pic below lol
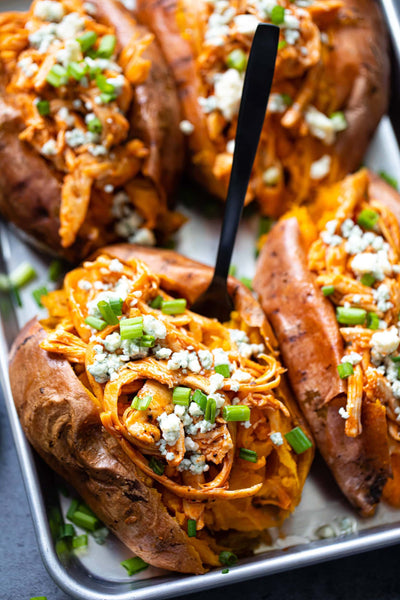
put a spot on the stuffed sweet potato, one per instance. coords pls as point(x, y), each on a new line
point(89, 139)
point(329, 92)
point(160, 418)
point(328, 279)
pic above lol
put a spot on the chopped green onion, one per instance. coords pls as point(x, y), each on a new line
point(237, 59)
point(157, 302)
point(247, 282)
point(339, 120)
point(211, 410)
point(277, 15)
point(100, 535)
point(55, 270)
point(181, 395)
point(240, 412)
point(85, 509)
point(233, 270)
point(156, 465)
point(96, 323)
point(107, 46)
point(248, 455)
point(37, 295)
point(107, 97)
point(15, 295)
point(81, 519)
point(223, 370)
point(395, 359)
point(87, 40)
point(131, 328)
point(22, 275)
point(264, 226)
point(345, 370)
point(298, 440)
point(225, 571)
point(63, 549)
point(350, 316)
point(80, 541)
point(368, 279)
point(77, 70)
point(200, 398)
point(191, 528)
point(57, 76)
point(148, 341)
point(107, 313)
point(141, 403)
point(116, 305)
point(72, 508)
point(389, 179)
point(94, 125)
point(173, 307)
point(134, 565)
point(228, 558)
point(282, 44)
point(39, 598)
point(368, 218)
point(328, 290)
point(68, 531)
point(372, 320)
point(43, 107)
point(55, 522)
point(104, 85)
point(287, 99)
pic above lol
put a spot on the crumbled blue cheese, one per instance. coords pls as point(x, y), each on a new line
point(241, 376)
point(133, 350)
point(220, 357)
point(208, 104)
point(196, 464)
point(42, 38)
point(201, 426)
point(105, 367)
point(143, 236)
point(376, 263)
point(195, 410)
point(162, 353)
point(70, 26)
point(116, 266)
point(193, 363)
point(246, 24)
point(321, 126)
point(353, 358)
point(97, 149)
point(85, 285)
point(190, 445)
point(49, 148)
point(320, 168)
point(206, 359)
point(382, 297)
point(271, 176)
point(343, 413)
point(179, 360)
point(291, 36)
point(153, 326)
point(219, 399)
point(186, 127)
point(118, 82)
point(276, 438)
point(27, 66)
point(230, 147)
point(77, 137)
point(329, 236)
point(170, 426)
point(216, 382)
point(65, 116)
point(90, 8)
point(182, 413)
point(70, 53)
point(47, 10)
point(228, 91)
point(112, 342)
point(385, 342)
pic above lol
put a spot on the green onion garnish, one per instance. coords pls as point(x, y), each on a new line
point(247, 282)
point(96, 323)
point(211, 410)
point(368, 218)
point(173, 307)
point(264, 226)
point(228, 558)
point(225, 571)
point(107, 97)
point(287, 99)
point(240, 412)
point(191, 528)
point(141, 403)
point(107, 46)
point(55, 522)
point(15, 295)
point(372, 320)
point(87, 40)
point(116, 305)
point(107, 313)
point(131, 328)
point(57, 76)
point(223, 370)
point(72, 508)
point(37, 295)
point(282, 44)
point(104, 85)
point(395, 359)
point(345, 370)
point(389, 179)
point(339, 120)
point(368, 279)
point(80, 541)
point(39, 598)
point(200, 398)
point(85, 509)
point(350, 316)
point(43, 107)
point(67, 531)
point(328, 290)
point(94, 125)
point(81, 519)
point(298, 440)
point(63, 549)
point(134, 565)
point(148, 341)
point(157, 302)
point(233, 270)
point(55, 270)
point(277, 15)
point(156, 465)
point(100, 535)
point(181, 395)
point(77, 70)
point(237, 59)
point(22, 275)
point(248, 455)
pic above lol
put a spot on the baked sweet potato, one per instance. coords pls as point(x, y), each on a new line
point(329, 92)
point(342, 255)
point(90, 145)
point(143, 422)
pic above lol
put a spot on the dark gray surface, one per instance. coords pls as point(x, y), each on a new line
point(371, 576)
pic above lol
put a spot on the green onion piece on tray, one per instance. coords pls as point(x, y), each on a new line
point(37, 295)
point(328, 290)
point(191, 528)
point(107, 313)
point(228, 558)
point(22, 275)
point(345, 370)
point(372, 320)
point(77, 70)
point(237, 59)
point(67, 531)
point(248, 455)
point(277, 15)
point(223, 370)
point(368, 279)
point(157, 302)
point(389, 179)
point(80, 541)
point(200, 398)
point(73, 507)
point(134, 565)
point(55, 270)
point(298, 440)
point(39, 598)
point(81, 519)
point(156, 465)
point(181, 395)
point(225, 571)
point(57, 76)
point(107, 46)
point(87, 40)
point(43, 107)
point(96, 323)
point(173, 307)
point(247, 282)
point(141, 403)
point(350, 316)
point(368, 218)
point(131, 329)
point(240, 412)
point(211, 410)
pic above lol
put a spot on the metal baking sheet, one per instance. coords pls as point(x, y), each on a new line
point(98, 575)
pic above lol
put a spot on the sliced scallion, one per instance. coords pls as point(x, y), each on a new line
point(57, 76)
point(67, 531)
point(240, 412)
point(81, 519)
point(191, 528)
point(372, 320)
point(181, 396)
point(277, 15)
point(282, 44)
point(55, 270)
point(237, 59)
point(87, 40)
point(107, 313)
point(298, 440)
point(156, 465)
point(200, 398)
point(43, 107)
point(80, 541)
point(131, 328)
point(395, 359)
point(77, 70)
point(368, 218)
point(134, 565)
point(173, 307)
point(94, 125)
point(389, 179)
point(350, 316)
point(368, 279)
point(148, 341)
point(96, 323)
point(72, 508)
point(345, 370)
point(328, 290)
point(225, 571)
point(248, 455)
point(233, 270)
point(22, 275)
point(228, 558)
point(211, 410)
point(116, 305)
point(104, 85)
point(141, 403)
point(157, 302)
point(37, 295)
point(107, 46)
point(107, 97)
point(247, 282)
point(223, 370)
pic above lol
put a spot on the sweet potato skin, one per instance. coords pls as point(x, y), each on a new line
point(311, 346)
